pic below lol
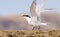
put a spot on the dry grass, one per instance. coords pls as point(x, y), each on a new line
point(20, 33)
point(29, 33)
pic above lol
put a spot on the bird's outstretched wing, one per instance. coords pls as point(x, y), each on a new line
point(42, 3)
point(39, 6)
point(32, 8)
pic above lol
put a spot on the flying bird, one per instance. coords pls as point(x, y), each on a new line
point(34, 17)
point(35, 10)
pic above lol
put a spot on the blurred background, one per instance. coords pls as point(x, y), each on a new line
point(8, 7)
point(15, 7)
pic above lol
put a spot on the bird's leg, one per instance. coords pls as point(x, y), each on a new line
point(36, 28)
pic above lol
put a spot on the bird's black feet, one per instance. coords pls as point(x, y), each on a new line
point(36, 28)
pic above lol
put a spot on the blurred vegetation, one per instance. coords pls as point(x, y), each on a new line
point(30, 33)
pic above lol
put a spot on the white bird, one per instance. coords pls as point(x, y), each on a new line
point(35, 10)
point(34, 18)
point(29, 20)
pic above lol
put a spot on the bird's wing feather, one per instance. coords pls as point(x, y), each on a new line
point(32, 8)
point(42, 3)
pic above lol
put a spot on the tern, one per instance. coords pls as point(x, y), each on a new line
point(35, 10)
point(34, 17)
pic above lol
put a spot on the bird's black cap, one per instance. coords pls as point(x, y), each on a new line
point(27, 16)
